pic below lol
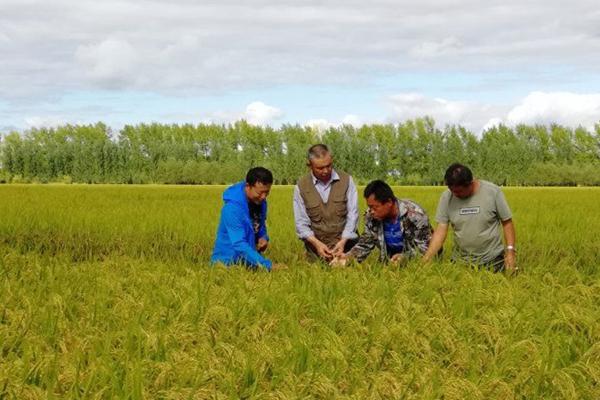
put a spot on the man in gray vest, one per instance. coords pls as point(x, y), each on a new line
point(325, 207)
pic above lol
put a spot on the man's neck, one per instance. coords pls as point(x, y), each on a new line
point(476, 185)
point(322, 181)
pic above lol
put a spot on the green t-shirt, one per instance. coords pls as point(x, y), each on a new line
point(476, 222)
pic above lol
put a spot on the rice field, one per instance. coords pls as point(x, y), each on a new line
point(105, 292)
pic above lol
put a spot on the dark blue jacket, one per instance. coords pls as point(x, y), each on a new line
point(235, 243)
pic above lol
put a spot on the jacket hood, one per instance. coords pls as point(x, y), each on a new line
point(236, 194)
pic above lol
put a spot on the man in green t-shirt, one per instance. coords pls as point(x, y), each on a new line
point(478, 212)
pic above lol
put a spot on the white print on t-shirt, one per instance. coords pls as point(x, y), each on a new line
point(469, 210)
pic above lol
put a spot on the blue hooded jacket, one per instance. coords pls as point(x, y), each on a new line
point(235, 241)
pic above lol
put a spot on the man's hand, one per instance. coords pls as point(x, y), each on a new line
point(338, 249)
point(510, 262)
point(322, 250)
point(262, 245)
point(339, 261)
point(397, 259)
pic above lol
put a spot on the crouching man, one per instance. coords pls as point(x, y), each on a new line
point(399, 228)
point(242, 233)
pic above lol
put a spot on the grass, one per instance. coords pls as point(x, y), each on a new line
point(106, 293)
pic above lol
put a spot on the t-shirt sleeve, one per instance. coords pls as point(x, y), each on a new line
point(502, 207)
point(441, 215)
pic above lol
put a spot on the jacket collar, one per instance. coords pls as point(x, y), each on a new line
point(402, 209)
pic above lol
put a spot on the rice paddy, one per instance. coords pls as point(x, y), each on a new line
point(106, 292)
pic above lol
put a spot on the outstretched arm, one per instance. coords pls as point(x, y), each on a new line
point(365, 245)
point(437, 241)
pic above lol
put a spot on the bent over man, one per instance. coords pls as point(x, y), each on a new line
point(399, 228)
point(325, 207)
point(478, 212)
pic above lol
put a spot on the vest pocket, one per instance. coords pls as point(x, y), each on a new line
point(340, 209)
point(314, 213)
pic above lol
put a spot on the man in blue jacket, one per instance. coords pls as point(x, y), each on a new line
point(242, 233)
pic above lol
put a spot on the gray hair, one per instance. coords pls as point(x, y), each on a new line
point(318, 151)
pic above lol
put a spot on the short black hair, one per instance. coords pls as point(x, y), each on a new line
point(380, 190)
point(259, 174)
point(458, 175)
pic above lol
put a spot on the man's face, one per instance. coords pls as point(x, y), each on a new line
point(322, 167)
point(462, 192)
point(258, 192)
point(380, 211)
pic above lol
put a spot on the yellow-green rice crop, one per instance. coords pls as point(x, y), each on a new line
point(106, 292)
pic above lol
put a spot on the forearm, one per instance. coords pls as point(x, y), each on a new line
point(510, 255)
point(437, 241)
point(362, 249)
point(262, 232)
point(509, 232)
point(313, 240)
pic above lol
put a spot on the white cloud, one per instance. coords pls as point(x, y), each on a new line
point(112, 62)
point(259, 113)
point(48, 121)
point(322, 124)
point(471, 115)
point(185, 48)
point(192, 46)
point(429, 50)
point(492, 123)
point(570, 109)
point(4, 39)
point(255, 113)
point(353, 120)
point(319, 124)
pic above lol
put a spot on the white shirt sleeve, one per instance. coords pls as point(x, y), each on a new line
point(301, 218)
point(352, 207)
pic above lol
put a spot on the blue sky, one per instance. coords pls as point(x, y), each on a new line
point(317, 63)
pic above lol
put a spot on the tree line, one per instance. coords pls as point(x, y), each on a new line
point(414, 152)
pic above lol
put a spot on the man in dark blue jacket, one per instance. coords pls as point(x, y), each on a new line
point(242, 233)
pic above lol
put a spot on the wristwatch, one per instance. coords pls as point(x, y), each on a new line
point(511, 248)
